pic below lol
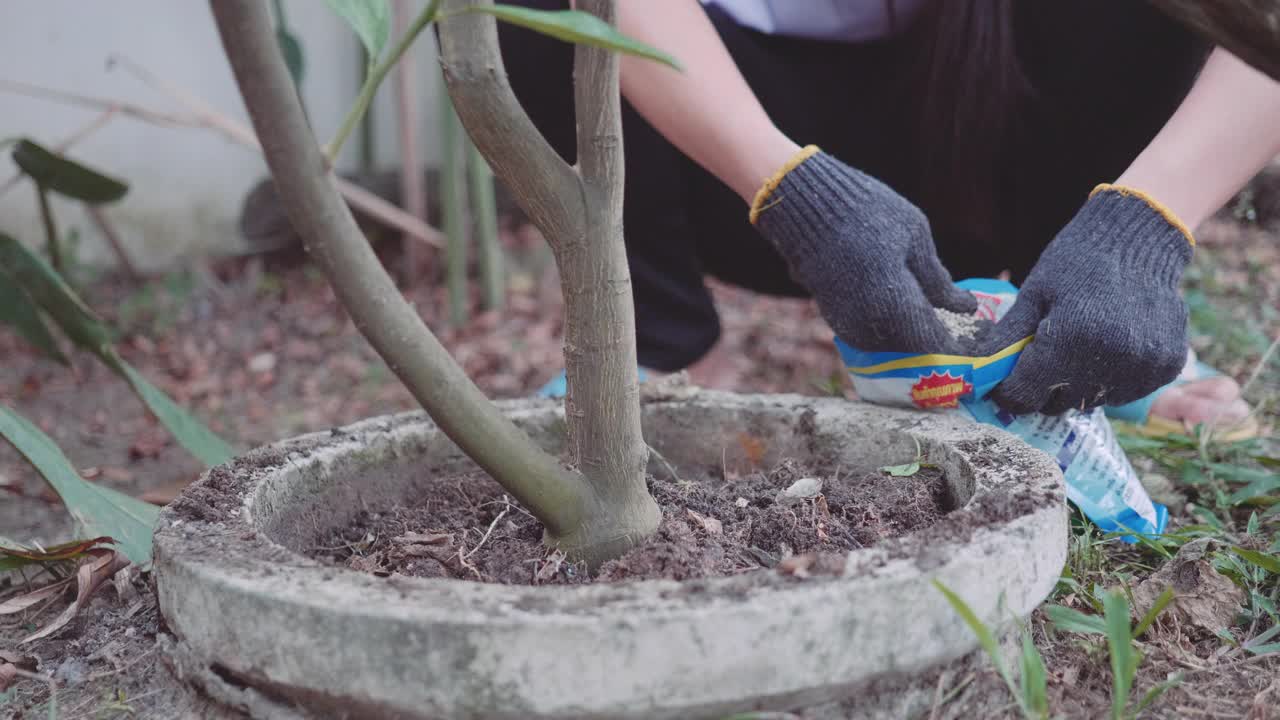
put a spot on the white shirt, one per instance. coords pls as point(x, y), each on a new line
point(842, 20)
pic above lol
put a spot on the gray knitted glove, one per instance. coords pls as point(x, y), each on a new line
point(1103, 304)
point(864, 252)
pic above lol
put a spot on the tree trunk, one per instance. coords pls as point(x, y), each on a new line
point(579, 211)
point(1248, 29)
point(559, 497)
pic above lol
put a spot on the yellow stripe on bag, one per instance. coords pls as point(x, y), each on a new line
point(927, 360)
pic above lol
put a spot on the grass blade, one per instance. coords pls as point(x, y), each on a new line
point(985, 639)
point(1154, 693)
point(1035, 694)
point(1157, 607)
point(1071, 620)
point(1270, 563)
point(1116, 610)
point(19, 310)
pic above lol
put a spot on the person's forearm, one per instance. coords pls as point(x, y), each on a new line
point(708, 112)
point(1226, 130)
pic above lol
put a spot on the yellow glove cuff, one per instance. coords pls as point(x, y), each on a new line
point(1155, 204)
point(762, 195)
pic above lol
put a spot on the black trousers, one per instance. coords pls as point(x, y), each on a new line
point(1106, 74)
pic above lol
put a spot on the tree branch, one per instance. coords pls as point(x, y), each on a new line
point(1248, 29)
point(307, 187)
point(543, 183)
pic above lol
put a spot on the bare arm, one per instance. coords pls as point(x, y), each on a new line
point(708, 112)
point(1226, 130)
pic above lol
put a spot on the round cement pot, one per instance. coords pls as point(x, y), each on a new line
point(283, 635)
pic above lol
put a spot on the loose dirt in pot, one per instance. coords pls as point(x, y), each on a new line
point(788, 519)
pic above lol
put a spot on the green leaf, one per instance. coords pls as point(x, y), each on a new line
point(14, 555)
point(97, 510)
point(1034, 681)
point(18, 309)
point(1154, 693)
point(985, 638)
point(198, 439)
point(578, 27)
point(1157, 607)
point(1254, 525)
point(1120, 642)
point(291, 49)
point(902, 470)
point(370, 19)
point(52, 295)
point(67, 177)
point(1270, 563)
point(86, 330)
point(1071, 620)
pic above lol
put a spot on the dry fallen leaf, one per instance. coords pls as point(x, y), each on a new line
point(711, 525)
point(10, 664)
point(1203, 597)
point(89, 576)
point(797, 565)
point(416, 538)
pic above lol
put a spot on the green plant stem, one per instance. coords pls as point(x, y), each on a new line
point(453, 200)
point(50, 229)
point(484, 208)
point(558, 496)
point(375, 77)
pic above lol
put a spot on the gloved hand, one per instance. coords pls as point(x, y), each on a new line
point(1102, 302)
point(863, 251)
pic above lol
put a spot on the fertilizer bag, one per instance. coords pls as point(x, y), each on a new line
point(1100, 479)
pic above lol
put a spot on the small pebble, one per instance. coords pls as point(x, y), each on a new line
point(800, 490)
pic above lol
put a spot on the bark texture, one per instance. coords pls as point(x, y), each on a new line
point(558, 496)
point(579, 211)
point(1248, 29)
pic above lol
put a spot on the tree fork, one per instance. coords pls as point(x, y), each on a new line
point(559, 497)
point(579, 211)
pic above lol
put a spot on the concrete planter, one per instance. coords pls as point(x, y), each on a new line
point(264, 626)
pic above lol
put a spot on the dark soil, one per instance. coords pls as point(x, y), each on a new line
point(468, 529)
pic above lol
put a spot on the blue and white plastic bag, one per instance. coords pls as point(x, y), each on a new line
point(1100, 479)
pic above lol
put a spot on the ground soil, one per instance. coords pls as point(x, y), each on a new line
point(259, 349)
point(469, 529)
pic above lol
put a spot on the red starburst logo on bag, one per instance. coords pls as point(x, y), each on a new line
point(939, 390)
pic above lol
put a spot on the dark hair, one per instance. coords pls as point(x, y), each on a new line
point(970, 84)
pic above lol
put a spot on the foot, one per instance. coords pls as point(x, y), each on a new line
point(1213, 401)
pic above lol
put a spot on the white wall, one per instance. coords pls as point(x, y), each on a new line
point(186, 184)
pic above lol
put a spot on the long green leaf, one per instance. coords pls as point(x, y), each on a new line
point(67, 177)
point(198, 439)
point(18, 309)
point(1120, 642)
point(1034, 679)
point(370, 19)
point(1157, 607)
point(1072, 620)
point(985, 638)
point(97, 510)
point(1270, 563)
point(1154, 693)
point(578, 27)
point(84, 328)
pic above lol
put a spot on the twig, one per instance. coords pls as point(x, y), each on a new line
point(489, 532)
point(674, 475)
point(108, 231)
point(207, 118)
